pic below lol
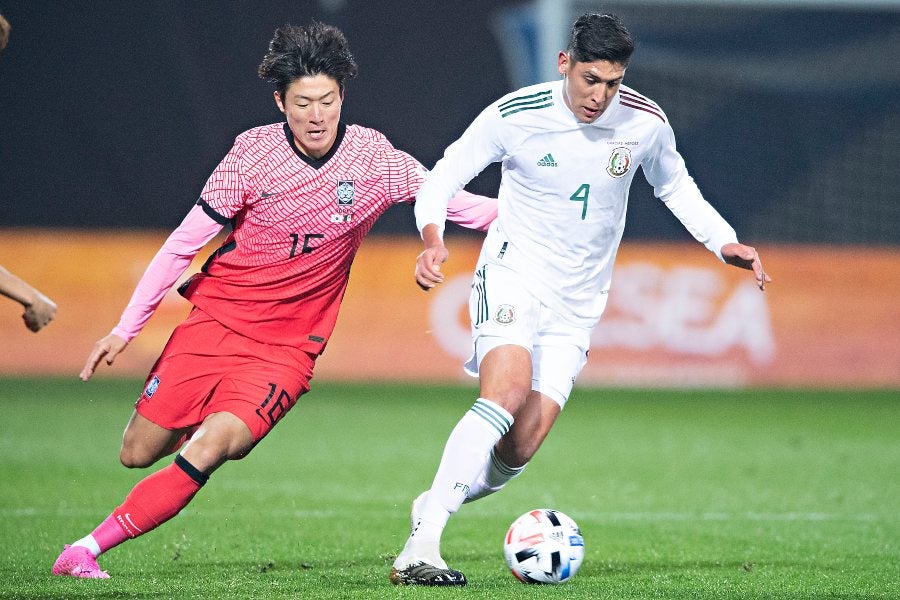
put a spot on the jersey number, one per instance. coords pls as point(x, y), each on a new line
point(581, 195)
point(306, 248)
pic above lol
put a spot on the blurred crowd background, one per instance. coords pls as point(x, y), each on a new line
point(114, 113)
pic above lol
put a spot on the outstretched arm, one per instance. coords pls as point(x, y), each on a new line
point(170, 262)
point(39, 309)
point(746, 257)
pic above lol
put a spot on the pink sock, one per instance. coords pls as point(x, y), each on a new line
point(109, 534)
point(153, 501)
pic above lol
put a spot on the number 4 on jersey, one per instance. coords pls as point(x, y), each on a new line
point(581, 195)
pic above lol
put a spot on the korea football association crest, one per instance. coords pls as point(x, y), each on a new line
point(619, 162)
point(346, 192)
point(152, 386)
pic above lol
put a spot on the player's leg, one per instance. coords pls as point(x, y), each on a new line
point(232, 417)
point(505, 373)
point(558, 356)
point(509, 457)
point(507, 370)
point(159, 496)
point(504, 317)
point(144, 442)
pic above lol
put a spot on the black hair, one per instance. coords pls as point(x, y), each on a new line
point(600, 37)
point(306, 51)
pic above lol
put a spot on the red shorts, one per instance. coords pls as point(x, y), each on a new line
point(206, 368)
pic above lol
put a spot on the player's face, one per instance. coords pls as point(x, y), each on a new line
point(312, 106)
point(589, 86)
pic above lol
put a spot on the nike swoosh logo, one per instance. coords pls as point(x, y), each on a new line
point(267, 194)
point(128, 518)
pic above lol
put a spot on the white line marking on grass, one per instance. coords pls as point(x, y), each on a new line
point(602, 517)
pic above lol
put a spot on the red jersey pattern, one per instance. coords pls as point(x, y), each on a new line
point(297, 223)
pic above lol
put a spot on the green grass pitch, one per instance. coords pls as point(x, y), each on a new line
point(687, 494)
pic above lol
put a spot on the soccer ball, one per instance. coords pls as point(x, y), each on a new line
point(543, 546)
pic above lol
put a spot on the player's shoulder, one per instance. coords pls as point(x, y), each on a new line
point(264, 132)
point(365, 136)
point(633, 104)
point(530, 101)
point(264, 136)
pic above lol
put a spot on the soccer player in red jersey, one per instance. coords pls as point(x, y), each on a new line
point(300, 196)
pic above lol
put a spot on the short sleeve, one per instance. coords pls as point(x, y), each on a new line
point(405, 175)
point(225, 190)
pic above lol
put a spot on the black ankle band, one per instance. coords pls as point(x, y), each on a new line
point(193, 472)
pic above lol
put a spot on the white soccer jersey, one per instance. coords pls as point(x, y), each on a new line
point(564, 190)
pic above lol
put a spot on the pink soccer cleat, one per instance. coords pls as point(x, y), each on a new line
point(77, 561)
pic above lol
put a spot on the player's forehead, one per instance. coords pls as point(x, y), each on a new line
point(312, 87)
point(602, 70)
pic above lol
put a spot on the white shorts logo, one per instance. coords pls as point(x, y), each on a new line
point(505, 314)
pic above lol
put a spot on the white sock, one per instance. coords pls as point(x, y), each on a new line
point(90, 543)
point(467, 449)
point(494, 475)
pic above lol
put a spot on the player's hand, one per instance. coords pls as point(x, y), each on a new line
point(428, 266)
point(746, 257)
point(109, 347)
point(39, 313)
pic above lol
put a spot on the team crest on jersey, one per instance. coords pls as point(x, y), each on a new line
point(619, 162)
point(345, 192)
point(505, 315)
point(152, 385)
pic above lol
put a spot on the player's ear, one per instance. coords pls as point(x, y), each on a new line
point(278, 101)
point(562, 62)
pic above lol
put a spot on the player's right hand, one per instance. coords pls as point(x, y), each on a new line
point(39, 313)
point(109, 347)
point(428, 266)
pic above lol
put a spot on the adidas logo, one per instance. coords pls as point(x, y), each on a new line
point(547, 161)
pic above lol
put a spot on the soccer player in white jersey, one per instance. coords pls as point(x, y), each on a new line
point(569, 150)
point(300, 195)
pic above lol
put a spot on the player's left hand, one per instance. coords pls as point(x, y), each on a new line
point(108, 348)
point(746, 257)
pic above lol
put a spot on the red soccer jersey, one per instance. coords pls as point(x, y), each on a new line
point(297, 223)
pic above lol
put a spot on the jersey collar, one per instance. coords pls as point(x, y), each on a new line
point(316, 163)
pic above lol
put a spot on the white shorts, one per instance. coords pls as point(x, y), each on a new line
point(503, 312)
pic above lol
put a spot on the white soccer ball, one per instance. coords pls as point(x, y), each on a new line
point(543, 546)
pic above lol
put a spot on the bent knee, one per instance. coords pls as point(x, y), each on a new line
point(135, 458)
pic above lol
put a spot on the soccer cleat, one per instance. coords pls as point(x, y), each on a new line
point(421, 573)
point(77, 561)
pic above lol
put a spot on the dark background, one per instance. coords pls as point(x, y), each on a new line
point(113, 113)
